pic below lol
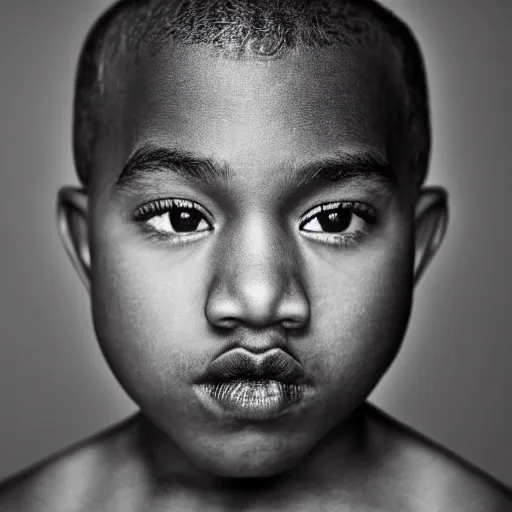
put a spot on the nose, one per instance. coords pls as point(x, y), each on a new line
point(256, 282)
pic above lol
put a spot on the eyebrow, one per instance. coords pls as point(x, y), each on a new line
point(364, 166)
point(151, 158)
point(361, 166)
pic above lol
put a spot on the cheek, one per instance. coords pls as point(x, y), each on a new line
point(360, 310)
point(148, 315)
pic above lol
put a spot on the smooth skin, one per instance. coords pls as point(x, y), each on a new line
point(253, 274)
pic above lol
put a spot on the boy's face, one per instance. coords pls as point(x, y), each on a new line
point(263, 273)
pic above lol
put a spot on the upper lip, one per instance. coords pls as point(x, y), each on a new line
point(240, 364)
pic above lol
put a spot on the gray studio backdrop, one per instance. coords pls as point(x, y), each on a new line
point(453, 378)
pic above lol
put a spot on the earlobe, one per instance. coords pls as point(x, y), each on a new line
point(431, 221)
point(72, 213)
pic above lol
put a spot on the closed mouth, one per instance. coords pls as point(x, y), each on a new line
point(240, 364)
point(253, 386)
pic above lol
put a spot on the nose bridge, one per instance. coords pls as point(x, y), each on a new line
point(260, 248)
point(256, 278)
point(258, 264)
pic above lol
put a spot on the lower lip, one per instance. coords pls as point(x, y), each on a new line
point(253, 400)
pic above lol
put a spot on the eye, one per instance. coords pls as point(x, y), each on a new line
point(339, 223)
point(175, 218)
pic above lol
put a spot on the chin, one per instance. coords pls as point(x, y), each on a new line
point(255, 462)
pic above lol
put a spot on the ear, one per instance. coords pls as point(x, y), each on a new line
point(72, 213)
point(430, 226)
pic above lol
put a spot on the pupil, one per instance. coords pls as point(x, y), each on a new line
point(335, 221)
point(184, 219)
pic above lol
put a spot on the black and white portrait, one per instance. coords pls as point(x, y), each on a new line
point(255, 255)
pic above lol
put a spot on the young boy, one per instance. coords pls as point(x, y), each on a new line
point(251, 225)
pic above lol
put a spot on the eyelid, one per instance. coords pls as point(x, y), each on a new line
point(161, 206)
point(356, 206)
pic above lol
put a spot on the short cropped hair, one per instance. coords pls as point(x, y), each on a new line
point(242, 29)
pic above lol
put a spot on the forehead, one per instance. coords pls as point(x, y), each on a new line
point(260, 113)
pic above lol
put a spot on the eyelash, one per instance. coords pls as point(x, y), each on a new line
point(163, 206)
point(354, 206)
point(361, 210)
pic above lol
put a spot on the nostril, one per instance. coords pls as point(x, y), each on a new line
point(292, 324)
point(227, 323)
point(295, 322)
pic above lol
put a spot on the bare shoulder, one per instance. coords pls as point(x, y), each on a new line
point(432, 477)
point(70, 481)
